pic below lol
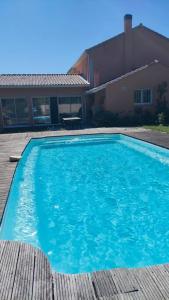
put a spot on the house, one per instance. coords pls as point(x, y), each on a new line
point(40, 99)
point(125, 71)
point(120, 75)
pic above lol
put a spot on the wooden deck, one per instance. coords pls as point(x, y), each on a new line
point(25, 272)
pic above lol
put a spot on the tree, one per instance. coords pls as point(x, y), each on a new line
point(161, 97)
point(162, 107)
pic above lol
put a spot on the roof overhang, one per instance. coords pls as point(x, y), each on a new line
point(42, 81)
point(103, 86)
point(43, 86)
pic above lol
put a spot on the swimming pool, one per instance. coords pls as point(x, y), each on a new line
point(91, 202)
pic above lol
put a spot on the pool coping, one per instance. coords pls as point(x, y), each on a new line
point(99, 279)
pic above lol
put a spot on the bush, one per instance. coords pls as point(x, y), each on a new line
point(161, 118)
point(128, 120)
point(105, 119)
point(144, 117)
point(109, 119)
point(161, 105)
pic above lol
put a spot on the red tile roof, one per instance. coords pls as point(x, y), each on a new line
point(42, 80)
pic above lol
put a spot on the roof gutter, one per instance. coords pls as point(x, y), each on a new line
point(45, 86)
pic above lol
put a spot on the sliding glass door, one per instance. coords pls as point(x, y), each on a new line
point(70, 106)
point(41, 110)
point(14, 111)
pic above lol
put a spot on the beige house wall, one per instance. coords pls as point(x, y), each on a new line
point(82, 67)
point(149, 45)
point(29, 93)
point(119, 96)
point(127, 51)
point(107, 60)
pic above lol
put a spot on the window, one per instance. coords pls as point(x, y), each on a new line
point(70, 106)
point(146, 96)
point(137, 96)
point(41, 110)
point(15, 111)
point(143, 96)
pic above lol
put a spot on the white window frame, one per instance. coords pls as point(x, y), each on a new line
point(142, 91)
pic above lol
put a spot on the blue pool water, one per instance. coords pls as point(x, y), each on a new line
point(91, 202)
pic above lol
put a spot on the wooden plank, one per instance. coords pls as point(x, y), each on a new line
point(23, 283)
point(126, 296)
point(42, 284)
point(73, 287)
point(8, 266)
point(122, 285)
point(161, 277)
point(104, 284)
point(84, 287)
point(2, 246)
point(64, 287)
point(147, 284)
point(124, 280)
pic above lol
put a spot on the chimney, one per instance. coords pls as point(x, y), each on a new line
point(127, 23)
point(128, 43)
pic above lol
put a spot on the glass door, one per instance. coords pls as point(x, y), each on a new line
point(14, 111)
point(70, 107)
point(54, 110)
point(41, 110)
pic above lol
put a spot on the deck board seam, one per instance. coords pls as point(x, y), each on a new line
point(2, 252)
point(158, 284)
point(95, 290)
point(33, 274)
point(145, 291)
point(53, 292)
point(16, 269)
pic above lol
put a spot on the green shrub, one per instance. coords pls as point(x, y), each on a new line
point(105, 119)
point(161, 118)
point(138, 118)
point(161, 103)
point(148, 118)
point(128, 120)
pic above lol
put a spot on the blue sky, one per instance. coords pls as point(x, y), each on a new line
point(47, 36)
